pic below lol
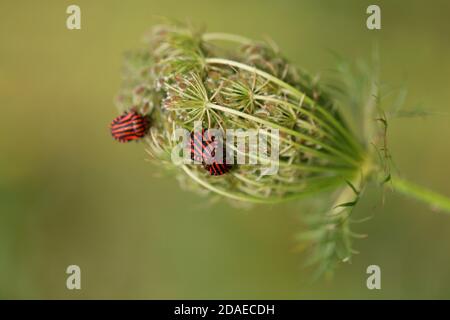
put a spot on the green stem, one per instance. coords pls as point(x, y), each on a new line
point(220, 191)
point(288, 131)
point(355, 146)
point(290, 89)
point(211, 36)
point(429, 197)
point(295, 92)
point(327, 185)
point(305, 167)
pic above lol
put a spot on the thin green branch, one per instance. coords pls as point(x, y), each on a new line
point(211, 36)
point(305, 167)
point(324, 185)
point(429, 197)
point(286, 130)
point(295, 92)
point(355, 146)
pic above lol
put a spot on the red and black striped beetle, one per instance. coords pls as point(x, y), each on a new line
point(203, 149)
point(129, 126)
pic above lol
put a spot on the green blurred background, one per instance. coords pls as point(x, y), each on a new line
point(69, 194)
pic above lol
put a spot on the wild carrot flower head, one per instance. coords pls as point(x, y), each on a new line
point(223, 82)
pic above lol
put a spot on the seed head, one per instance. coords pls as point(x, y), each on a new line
point(187, 77)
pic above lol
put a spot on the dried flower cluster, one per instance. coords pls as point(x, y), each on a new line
point(182, 77)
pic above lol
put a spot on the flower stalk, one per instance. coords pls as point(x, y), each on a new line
point(435, 200)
